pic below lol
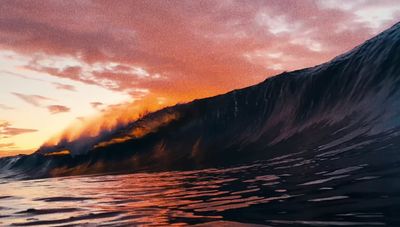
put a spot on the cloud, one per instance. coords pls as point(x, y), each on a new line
point(96, 105)
point(183, 50)
point(35, 100)
point(5, 107)
point(6, 130)
point(4, 124)
point(56, 109)
point(6, 145)
point(38, 100)
point(16, 131)
point(81, 119)
point(21, 76)
point(62, 86)
point(58, 85)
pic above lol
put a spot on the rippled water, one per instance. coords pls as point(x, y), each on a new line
point(341, 188)
point(356, 184)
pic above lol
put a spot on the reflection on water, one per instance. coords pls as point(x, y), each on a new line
point(303, 188)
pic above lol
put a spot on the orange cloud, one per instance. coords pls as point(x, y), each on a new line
point(13, 152)
point(6, 145)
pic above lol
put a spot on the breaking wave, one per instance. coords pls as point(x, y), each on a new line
point(351, 102)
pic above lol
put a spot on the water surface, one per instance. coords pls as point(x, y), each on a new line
point(310, 188)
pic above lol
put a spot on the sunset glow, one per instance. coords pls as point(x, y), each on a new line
point(72, 68)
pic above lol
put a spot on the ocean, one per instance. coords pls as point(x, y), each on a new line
point(335, 187)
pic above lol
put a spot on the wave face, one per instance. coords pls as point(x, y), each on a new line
point(346, 106)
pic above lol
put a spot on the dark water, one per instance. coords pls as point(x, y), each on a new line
point(355, 185)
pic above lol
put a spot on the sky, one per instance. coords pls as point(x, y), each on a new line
point(65, 61)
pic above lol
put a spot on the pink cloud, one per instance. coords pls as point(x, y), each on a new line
point(6, 130)
point(62, 86)
point(56, 109)
point(198, 48)
point(96, 105)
